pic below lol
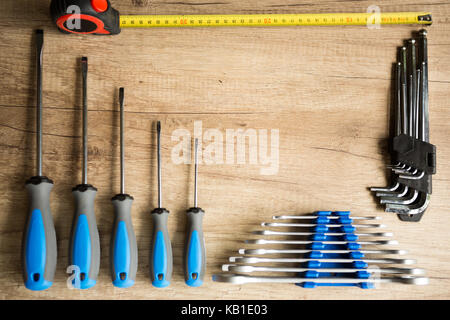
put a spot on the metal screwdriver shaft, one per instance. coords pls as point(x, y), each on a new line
point(195, 253)
point(122, 139)
point(39, 241)
point(195, 173)
point(124, 254)
point(39, 63)
point(84, 252)
point(161, 260)
point(158, 130)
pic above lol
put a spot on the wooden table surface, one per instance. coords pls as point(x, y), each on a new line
point(326, 89)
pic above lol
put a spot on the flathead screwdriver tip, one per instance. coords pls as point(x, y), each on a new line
point(121, 95)
point(158, 126)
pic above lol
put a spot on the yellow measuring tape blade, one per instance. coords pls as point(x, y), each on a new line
point(258, 20)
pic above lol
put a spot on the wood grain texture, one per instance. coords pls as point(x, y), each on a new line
point(327, 90)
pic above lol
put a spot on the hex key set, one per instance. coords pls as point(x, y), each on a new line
point(333, 251)
point(413, 157)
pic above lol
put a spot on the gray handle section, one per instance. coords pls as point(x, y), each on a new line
point(195, 252)
point(161, 260)
point(85, 237)
point(124, 254)
point(39, 237)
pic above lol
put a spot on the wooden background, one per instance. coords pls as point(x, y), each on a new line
point(327, 89)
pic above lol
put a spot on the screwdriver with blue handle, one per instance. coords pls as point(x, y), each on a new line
point(39, 241)
point(195, 253)
point(161, 260)
point(84, 255)
point(124, 255)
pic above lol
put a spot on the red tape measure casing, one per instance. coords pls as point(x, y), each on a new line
point(85, 16)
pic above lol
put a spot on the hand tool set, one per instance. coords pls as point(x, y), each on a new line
point(329, 249)
point(413, 157)
point(99, 17)
point(329, 254)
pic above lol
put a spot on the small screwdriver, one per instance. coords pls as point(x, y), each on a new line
point(124, 255)
point(84, 252)
point(195, 253)
point(39, 241)
point(161, 260)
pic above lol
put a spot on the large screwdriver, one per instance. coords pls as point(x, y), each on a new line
point(39, 241)
point(84, 253)
point(124, 256)
point(161, 260)
point(195, 253)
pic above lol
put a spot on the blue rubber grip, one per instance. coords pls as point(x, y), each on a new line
point(81, 253)
point(39, 253)
point(161, 260)
point(122, 256)
point(35, 253)
point(84, 254)
point(195, 259)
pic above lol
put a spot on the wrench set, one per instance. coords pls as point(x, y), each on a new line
point(330, 250)
point(413, 157)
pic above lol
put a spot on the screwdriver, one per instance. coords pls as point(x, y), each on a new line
point(161, 260)
point(195, 254)
point(39, 241)
point(124, 255)
point(84, 243)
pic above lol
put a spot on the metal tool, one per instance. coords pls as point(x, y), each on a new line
point(296, 251)
point(285, 233)
point(327, 257)
point(84, 252)
point(243, 279)
point(409, 195)
point(310, 225)
point(309, 217)
point(99, 17)
point(124, 254)
point(374, 242)
point(39, 240)
point(161, 260)
point(250, 269)
point(195, 252)
point(336, 260)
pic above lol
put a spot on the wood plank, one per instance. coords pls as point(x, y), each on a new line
point(326, 89)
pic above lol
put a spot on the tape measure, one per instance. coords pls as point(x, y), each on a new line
point(99, 17)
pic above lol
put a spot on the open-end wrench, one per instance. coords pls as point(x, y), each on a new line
point(376, 242)
point(243, 279)
point(309, 225)
point(283, 233)
point(315, 217)
point(250, 269)
point(296, 251)
point(324, 260)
